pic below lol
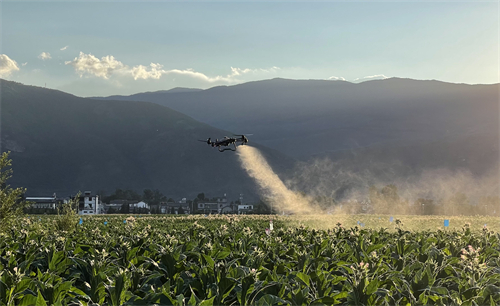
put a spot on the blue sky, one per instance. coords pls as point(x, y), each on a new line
point(113, 47)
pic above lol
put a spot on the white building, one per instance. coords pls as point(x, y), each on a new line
point(89, 204)
point(43, 202)
point(219, 206)
point(244, 208)
point(141, 204)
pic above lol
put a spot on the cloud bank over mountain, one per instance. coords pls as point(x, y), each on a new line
point(334, 78)
point(108, 66)
point(359, 80)
point(370, 77)
point(7, 66)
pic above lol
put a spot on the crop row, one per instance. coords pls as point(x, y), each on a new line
point(233, 261)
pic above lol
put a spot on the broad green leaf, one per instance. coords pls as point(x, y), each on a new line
point(372, 287)
point(28, 300)
point(180, 300)
point(223, 254)
point(374, 247)
point(209, 302)
point(269, 300)
point(440, 290)
point(305, 278)
point(40, 301)
point(209, 260)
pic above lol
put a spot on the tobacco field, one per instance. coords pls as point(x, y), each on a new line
point(231, 260)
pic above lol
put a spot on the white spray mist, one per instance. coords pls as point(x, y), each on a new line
point(322, 179)
point(282, 199)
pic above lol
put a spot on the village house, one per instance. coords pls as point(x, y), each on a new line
point(243, 209)
point(116, 206)
point(217, 206)
point(89, 204)
point(46, 202)
point(180, 208)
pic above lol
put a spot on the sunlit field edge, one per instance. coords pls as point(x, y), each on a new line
point(324, 222)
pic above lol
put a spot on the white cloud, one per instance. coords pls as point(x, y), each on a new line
point(230, 78)
point(154, 71)
point(104, 67)
point(7, 65)
point(200, 76)
point(108, 66)
point(24, 64)
point(371, 77)
point(64, 48)
point(334, 78)
point(270, 70)
point(239, 71)
point(44, 56)
point(193, 74)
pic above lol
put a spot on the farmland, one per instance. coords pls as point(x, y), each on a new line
point(231, 260)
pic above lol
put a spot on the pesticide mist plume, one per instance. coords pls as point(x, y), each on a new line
point(334, 187)
point(274, 190)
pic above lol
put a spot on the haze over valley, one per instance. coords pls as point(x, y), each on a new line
point(326, 138)
point(410, 124)
point(62, 143)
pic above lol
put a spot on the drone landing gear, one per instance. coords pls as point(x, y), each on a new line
point(226, 149)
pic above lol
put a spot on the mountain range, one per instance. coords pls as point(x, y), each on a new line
point(398, 127)
point(419, 124)
point(64, 144)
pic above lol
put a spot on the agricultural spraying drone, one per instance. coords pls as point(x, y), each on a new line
point(227, 142)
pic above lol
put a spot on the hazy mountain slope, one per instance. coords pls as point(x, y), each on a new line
point(479, 155)
point(63, 143)
point(309, 117)
point(146, 94)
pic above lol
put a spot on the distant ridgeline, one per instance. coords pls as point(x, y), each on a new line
point(346, 136)
point(404, 123)
point(64, 144)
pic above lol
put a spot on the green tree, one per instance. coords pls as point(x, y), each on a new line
point(132, 195)
point(67, 217)
point(261, 208)
point(147, 196)
point(121, 194)
point(12, 201)
point(153, 197)
point(125, 209)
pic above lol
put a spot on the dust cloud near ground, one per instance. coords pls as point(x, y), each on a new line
point(323, 186)
point(271, 186)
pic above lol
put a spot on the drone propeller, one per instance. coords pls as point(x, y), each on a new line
point(208, 141)
point(243, 139)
